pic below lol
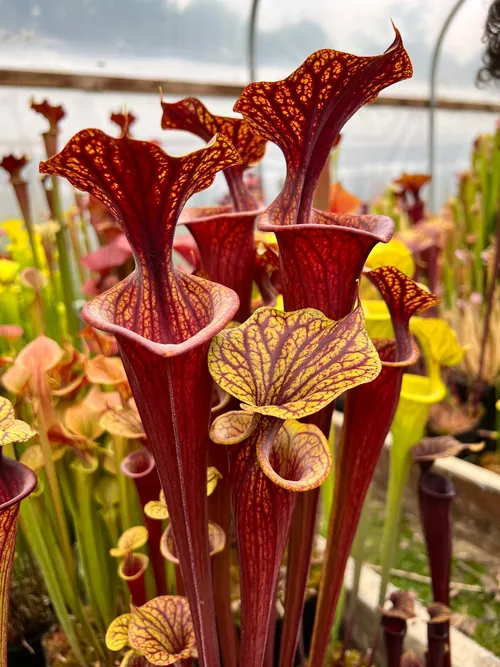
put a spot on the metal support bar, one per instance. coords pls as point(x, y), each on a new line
point(252, 32)
point(113, 84)
point(433, 103)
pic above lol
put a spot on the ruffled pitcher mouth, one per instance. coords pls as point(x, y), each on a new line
point(219, 307)
point(380, 228)
point(195, 214)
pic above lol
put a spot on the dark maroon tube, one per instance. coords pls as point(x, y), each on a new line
point(140, 466)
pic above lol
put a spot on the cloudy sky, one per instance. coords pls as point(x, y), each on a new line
point(105, 34)
point(206, 40)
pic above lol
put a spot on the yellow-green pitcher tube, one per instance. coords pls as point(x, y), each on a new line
point(377, 318)
point(64, 261)
point(9, 308)
point(418, 393)
point(96, 562)
point(35, 531)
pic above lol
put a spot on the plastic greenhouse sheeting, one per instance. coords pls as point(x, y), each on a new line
point(206, 40)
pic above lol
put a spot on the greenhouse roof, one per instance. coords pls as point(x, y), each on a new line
point(206, 41)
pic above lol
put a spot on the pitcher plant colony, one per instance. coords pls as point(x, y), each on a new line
point(179, 429)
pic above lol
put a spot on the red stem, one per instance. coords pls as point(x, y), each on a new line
point(271, 637)
point(219, 511)
point(131, 566)
point(140, 466)
point(242, 199)
point(300, 548)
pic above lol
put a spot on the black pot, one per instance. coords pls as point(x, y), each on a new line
point(488, 421)
point(307, 629)
point(20, 656)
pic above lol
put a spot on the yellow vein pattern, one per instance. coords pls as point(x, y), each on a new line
point(162, 630)
point(193, 116)
point(290, 365)
point(304, 113)
point(297, 459)
point(12, 429)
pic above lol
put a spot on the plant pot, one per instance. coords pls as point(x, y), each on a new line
point(21, 656)
point(488, 421)
point(307, 629)
point(466, 653)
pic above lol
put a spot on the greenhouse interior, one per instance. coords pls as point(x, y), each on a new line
point(250, 333)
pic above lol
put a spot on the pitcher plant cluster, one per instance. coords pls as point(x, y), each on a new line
point(188, 423)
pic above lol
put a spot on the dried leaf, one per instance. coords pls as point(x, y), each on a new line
point(403, 606)
point(430, 449)
point(439, 613)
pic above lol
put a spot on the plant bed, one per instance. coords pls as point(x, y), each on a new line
point(475, 601)
point(465, 651)
point(476, 509)
point(474, 586)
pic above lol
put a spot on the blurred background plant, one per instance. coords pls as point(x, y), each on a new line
point(68, 381)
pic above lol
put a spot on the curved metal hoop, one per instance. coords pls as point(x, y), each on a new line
point(431, 155)
point(252, 33)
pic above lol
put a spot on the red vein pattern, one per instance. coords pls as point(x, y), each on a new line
point(372, 404)
point(304, 113)
point(290, 365)
point(404, 298)
point(163, 321)
point(321, 255)
point(283, 366)
point(16, 483)
point(321, 262)
point(226, 244)
point(162, 630)
point(145, 189)
point(262, 514)
point(192, 115)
